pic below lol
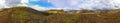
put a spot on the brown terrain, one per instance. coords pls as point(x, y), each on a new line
point(29, 15)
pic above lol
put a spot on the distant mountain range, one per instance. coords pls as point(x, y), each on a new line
point(28, 15)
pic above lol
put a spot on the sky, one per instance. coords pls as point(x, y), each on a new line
point(63, 4)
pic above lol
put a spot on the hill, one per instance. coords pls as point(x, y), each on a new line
point(20, 15)
point(28, 15)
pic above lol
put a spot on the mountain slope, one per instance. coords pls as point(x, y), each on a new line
point(28, 15)
point(19, 14)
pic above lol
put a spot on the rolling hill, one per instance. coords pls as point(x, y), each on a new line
point(28, 15)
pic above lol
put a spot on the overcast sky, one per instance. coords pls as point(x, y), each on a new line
point(63, 4)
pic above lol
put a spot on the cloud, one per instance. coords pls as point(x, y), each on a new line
point(65, 4)
point(23, 3)
point(87, 4)
point(115, 3)
point(12, 2)
point(2, 3)
point(59, 3)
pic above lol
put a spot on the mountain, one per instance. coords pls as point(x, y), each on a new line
point(23, 14)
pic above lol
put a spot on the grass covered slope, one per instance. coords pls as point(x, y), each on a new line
point(28, 15)
point(20, 15)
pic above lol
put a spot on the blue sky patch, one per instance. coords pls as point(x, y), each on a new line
point(42, 3)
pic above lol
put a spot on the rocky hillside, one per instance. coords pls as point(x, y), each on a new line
point(28, 15)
